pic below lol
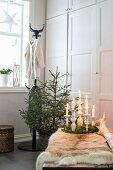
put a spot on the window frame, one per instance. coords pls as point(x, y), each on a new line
point(20, 88)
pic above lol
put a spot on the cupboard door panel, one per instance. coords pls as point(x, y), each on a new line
point(56, 45)
point(77, 4)
point(98, 1)
point(55, 8)
point(106, 25)
point(106, 73)
point(82, 29)
point(53, 64)
point(81, 71)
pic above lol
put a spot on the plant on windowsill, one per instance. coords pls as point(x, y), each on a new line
point(46, 106)
point(4, 74)
point(5, 71)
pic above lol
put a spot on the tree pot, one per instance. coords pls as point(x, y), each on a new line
point(44, 139)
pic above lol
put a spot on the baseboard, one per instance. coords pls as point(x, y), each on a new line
point(24, 137)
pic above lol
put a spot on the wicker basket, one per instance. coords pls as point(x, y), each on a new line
point(6, 138)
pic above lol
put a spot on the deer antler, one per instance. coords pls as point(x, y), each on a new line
point(101, 125)
point(104, 131)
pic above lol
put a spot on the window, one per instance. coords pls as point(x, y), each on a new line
point(14, 35)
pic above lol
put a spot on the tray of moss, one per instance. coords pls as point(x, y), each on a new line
point(80, 130)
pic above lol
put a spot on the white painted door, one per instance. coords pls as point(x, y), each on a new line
point(105, 60)
point(56, 46)
point(101, 1)
point(77, 4)
point(82, 51)
point(56, 7)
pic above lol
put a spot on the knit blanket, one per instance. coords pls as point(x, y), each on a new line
point(68, 149)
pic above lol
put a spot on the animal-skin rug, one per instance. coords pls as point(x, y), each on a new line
point(68, 149)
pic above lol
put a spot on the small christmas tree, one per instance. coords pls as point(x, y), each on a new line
point(46, 106)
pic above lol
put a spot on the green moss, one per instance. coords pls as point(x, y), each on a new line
point(81, 130)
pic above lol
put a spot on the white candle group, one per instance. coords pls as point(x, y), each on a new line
point(80, 118)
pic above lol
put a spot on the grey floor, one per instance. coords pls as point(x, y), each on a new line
point(18, 160)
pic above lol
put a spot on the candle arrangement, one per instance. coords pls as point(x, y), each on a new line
point(77, 120)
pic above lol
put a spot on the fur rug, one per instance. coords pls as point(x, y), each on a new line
point(67, 149)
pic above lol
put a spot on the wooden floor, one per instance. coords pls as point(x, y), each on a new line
point(18, 160)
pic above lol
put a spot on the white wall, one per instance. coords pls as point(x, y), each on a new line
point(10, 104)
point(37, 19)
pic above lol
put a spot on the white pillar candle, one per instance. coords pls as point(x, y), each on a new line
point(73, 119)
point(79, 92)
point(86, 105)
point(73, 103)
point(80, 121)
point(86, 102)
point(93, 111)
point(67, 120)
point(67, 106)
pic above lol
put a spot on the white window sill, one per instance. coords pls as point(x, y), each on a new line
point(13, 90)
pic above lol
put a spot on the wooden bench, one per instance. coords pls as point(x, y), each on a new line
point(53, 166)
point(56, 152)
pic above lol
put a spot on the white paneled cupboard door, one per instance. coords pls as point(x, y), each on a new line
point(77, 4)
point(56, 7)
point(105, 60)
point(56, 46)
point(98, 1)
point(82, 51)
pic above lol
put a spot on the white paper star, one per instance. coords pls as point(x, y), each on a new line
point(9, 20)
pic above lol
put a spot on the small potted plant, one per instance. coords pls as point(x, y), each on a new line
point(4, 74)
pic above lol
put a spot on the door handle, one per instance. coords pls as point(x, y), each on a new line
point(97, 72)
